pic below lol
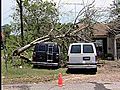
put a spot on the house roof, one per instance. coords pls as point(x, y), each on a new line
point(99, 29)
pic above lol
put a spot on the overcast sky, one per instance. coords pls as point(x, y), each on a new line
point(7, 6)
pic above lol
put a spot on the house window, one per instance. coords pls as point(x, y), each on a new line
point(99, 47)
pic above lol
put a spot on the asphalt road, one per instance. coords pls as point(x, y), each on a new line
point(67, 86)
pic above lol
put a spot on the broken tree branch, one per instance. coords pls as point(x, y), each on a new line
point(43, 39)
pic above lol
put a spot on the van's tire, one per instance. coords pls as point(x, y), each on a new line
point(57, 67)
point(35, 66)
point(94, 70)
point(68, 70)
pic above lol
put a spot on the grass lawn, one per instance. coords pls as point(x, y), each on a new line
point(27, 74)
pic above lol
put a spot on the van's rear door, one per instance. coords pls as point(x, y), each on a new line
point(75, 56)
point(39, 54)
point(82, 54)
point(88, 53)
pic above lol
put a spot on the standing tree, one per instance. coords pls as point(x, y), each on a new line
point(115, 17)
point(19, 2)
point(38, 18)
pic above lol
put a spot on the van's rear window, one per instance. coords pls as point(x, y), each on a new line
point(75, 49)
point(88, 49)
point(56, 49)
point(39, 47)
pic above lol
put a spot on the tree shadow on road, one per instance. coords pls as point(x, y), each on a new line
point(46, 67)
point(81, 71)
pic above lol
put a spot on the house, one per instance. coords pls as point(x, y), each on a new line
point(107, 41)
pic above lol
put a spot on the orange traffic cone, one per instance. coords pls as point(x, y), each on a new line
point(60, 80)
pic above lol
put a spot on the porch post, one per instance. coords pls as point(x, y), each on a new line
point(115, 49)
point(108, 46)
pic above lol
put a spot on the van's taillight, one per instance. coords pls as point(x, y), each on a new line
point(67, 58)
point(57, 56)
point(96, 58)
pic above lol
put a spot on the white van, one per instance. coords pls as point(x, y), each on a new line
point(82, 56)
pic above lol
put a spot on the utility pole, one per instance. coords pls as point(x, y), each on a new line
point(19, 2)
point(21, 20)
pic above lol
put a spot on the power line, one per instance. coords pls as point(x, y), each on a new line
point(70, 11)
point(72, 3)
point(75, 4)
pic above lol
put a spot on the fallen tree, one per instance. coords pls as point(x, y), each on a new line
point(47, 38)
